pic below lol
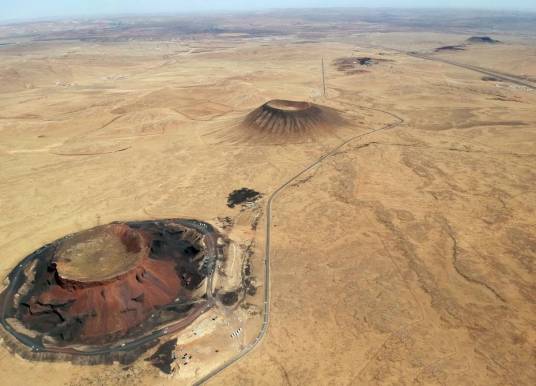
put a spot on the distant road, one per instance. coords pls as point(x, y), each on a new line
point(500, 75)
point(495, 74)
point(268, 223)
point(268, 230)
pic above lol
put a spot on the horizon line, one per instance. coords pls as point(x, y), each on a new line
point(223, 11)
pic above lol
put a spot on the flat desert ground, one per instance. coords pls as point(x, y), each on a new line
point(406, 257)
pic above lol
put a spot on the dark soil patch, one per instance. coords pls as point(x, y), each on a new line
point(351, 65)
point(229, 298)
point(164, 356)
point(482, 39)
point(241, 196)
point(450, 48)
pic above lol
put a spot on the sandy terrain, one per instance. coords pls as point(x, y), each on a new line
point(407, 257)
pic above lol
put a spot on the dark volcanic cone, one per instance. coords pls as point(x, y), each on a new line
point(109, 284)
point(283, 119)
point(108, 281)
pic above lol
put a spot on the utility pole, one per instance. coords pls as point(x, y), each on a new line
point(323, 77)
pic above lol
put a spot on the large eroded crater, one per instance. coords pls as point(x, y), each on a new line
point(111, 288)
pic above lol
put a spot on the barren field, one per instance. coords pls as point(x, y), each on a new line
point(404, 254)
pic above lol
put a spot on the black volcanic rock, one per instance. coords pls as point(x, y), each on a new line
point(482, 39)
point(241, 196)
point(450, 48)
point(164, 357)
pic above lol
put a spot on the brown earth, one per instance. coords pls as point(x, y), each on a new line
point(407, 257)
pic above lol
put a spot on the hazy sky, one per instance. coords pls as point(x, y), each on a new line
point(31, 9)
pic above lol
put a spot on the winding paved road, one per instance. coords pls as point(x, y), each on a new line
point(498, 75)
point(268, 229)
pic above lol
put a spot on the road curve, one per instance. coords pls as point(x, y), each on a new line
point(268, 228)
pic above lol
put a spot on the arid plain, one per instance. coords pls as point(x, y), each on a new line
point(405, 257)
